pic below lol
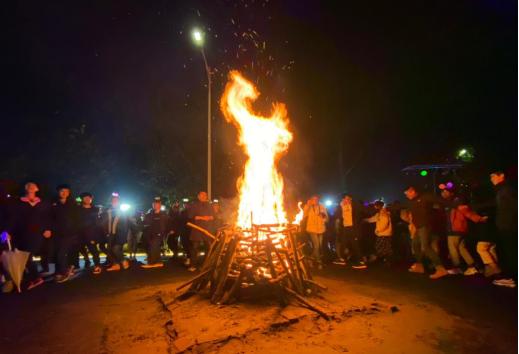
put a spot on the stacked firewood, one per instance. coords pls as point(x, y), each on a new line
point(265, 258)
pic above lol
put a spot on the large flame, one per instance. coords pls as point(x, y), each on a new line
point(264, 140)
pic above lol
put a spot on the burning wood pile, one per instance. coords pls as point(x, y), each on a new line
point(264, 260)
point(259, 254)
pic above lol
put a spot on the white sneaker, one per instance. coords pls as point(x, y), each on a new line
point(471, 271)
point(509, 283)
point(340, 261)
point(454, 271)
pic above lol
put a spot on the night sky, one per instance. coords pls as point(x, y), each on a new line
point(111, 95)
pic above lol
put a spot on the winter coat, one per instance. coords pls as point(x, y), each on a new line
point(506, 208)
point(316, 218)
point(458, 219)
point(155, 225)
point(383, 225)
point(356, 215)
point(65, 219)
point(89, 229)
point(115, 225)
point(26, 224)
point(199, 208)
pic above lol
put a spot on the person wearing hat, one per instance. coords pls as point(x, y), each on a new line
point(156, 225)
point(64, 228)
point(89, 231)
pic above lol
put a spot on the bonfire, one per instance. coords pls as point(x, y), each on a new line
point(259, 253)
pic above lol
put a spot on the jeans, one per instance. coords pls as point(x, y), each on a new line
point(154, 247)
point(92, 248)
point(422, 247)
point(47, 253)
point(65, 248)
point(457, 247)
point(487, 252)
point(195, 247)
point(506, 243)
point(348, 238)
point(32, 269)
point(116, 253)
point(317, 246)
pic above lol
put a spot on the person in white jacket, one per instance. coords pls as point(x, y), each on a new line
point(383, 231)
point(316, 218)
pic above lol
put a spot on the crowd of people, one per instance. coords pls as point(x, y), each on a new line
point(444, 233)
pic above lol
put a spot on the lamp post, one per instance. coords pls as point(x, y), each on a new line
point(198, 38)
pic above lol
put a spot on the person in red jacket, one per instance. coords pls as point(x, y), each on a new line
point(458, 216)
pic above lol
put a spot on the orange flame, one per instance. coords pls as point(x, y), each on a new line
point(300, 214)
point(265, 140)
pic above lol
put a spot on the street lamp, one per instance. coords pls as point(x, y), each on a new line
point(198, 39)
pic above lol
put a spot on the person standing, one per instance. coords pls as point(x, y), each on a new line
point(135, 234)
point(65, 232)
point(200, 213)
point(89, 231)
point(115, 226)
point(420, 216)
point(177, 232)
point(506, 224)
point(316, 218)
point(28, 224)
point(156, 225)
point(348, 222)
point(383, 232)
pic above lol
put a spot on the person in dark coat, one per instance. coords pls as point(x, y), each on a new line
point(28, 224)
point(89, 230)
point(115, 225)
point(135, 234)
point(348, 221)
point(156, 225)
point(506, 224)
point(420, 210)
point(201, 214)
point(65, 233)
point(178, 232)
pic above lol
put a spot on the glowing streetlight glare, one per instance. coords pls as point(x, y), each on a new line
point(328, 202)
point(462, 152)
point(125, 207)
point(198, 37)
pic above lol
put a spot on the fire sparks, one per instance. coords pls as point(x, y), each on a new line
point(265, 140)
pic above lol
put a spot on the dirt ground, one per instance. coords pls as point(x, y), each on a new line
point(148, 319)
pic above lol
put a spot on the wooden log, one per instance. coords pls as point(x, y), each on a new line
point(201, 275)
point(319, 285)
point(308, 304)
point(223, 269)
point(278, 278)
point(235, 286)
point(296, 260)
point(202, 230)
